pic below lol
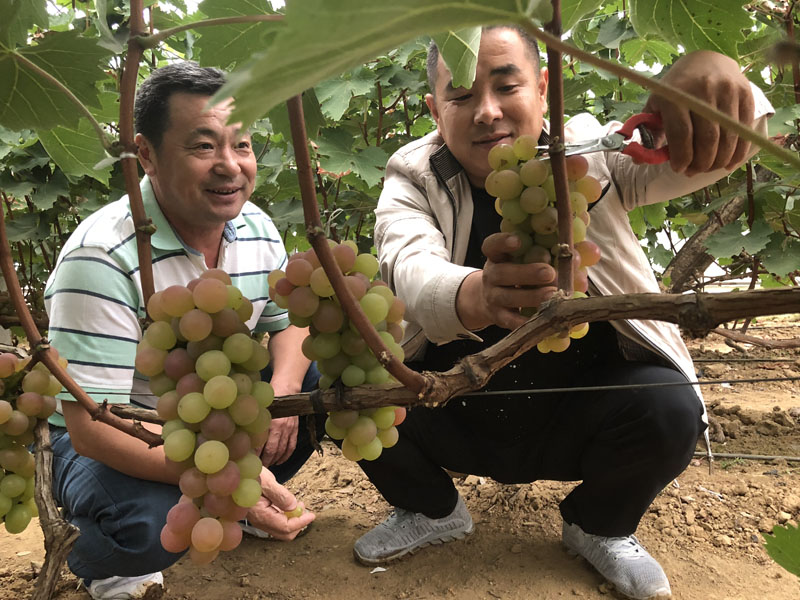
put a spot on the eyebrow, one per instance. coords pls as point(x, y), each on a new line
point(507, 69)
point(208, 132)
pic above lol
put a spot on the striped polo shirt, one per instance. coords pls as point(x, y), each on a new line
point(94, 295)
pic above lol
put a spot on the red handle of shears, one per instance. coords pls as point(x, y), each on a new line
point(634, 149)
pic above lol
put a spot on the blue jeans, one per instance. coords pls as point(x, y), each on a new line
point(120, 517)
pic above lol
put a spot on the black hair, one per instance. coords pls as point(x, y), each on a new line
point(151, 109)
point(530, 45)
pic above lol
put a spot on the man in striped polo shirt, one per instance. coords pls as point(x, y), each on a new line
point(199, 174)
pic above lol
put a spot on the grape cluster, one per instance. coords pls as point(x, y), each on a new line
point(304, 289)
point(204, 366)
point(525, 197)
point(27, 397)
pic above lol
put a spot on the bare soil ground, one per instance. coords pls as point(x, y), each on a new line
point(706, 529)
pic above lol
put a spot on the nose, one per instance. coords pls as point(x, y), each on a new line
point(488, 109)
point(227, 161)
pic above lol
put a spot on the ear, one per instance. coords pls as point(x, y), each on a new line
point(147, 154)
point(544, 78)
point(430, 100)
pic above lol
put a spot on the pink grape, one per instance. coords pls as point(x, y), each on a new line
point(207, 534)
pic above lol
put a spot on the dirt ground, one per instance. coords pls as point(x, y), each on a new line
point(705, 529)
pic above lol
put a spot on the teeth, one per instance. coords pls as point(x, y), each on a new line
point(226, 192)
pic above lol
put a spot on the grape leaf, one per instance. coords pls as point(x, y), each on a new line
point(18, 17)
point(369, 164)
point(730, 241)
point(107, 39)
point(335, 94)
point(638, 49)
point(573, 10)
point(47, 193)
point(459, 50)
point(613, 31)
point(711, 24)
point(783, 546)
point(303, 53)
point(781, 257)
point(335, 146)
point(279, 117)
point(28, 100)
point(782, 122)
point(76, 150)
point(224, 45)
point(27, 227)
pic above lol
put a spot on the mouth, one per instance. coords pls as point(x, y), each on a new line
point(224, 190)
point(491, 140)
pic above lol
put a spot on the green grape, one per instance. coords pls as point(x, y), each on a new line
point(525, 147)
point(374, 307)
point(353, 376)
point(537, 254)
point(249, 466)
point(377, 375)
point(195, 349)
point(179, 445)
point(212, 363)
point(36, 381)
point(17, 518)
point(371, 450)
point(334, 432)
point(5, 411)
point(534, 172)
point(167, 406)
point(352, 343)
point(150, 361)
point(366, 360)
point(367, 265)
point(5, 505)
point(578, 203)
point(193, 407)
point(513, 211)
point(502, 156)
point(54, 388)
point(384, 417)
point(247, 493)
point(218, 274)
point(244, 410)
point(260, 424)
point(320, 284)
point(245, 311)
point(170, 426)
point(238, 347)
point(258, 360)
point(211, 456)
point(327, 345)
point(344, 419)
point(244, 384)
point(350, 450)
point(333, 367)
point(220, 391)
point(12, 485)
point(533, 200)
point(507, 184)
point(159, 335)
point(235, 298)
point(388, 437)
point(545, 222)
point(263, 392)
point(274, 277)
point(578, 230)
point(160, 384)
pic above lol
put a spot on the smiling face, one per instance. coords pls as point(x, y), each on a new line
point(507, 99)
point(203, 171)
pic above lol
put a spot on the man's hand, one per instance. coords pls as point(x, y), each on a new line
point(697, 145)
point(495, 294)
point(281, 442)
point(269, 513)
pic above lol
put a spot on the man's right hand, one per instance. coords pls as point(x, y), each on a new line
point(495, 294)
point(269, 512)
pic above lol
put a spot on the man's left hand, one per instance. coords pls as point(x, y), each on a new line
point(697, 145)
point(281, 442)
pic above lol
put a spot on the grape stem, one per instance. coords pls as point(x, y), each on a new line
point(316, 235)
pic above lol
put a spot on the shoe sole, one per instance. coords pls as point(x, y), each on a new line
point(370, 562)
point(574, 553)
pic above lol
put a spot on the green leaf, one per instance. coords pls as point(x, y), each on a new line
point(613, 31)
point(12, 187)
point(369, 164)
point(279, 117)
point(459, 50)
point(758, 237)
point(637, 221)
point(637, 49)
point(27, 227)
point(323, 38)
point(48, 193)
point(224, 45)
point(655, 214)
point(76, 150)
point(711, 24)
point(783, 121)
point(335, 94)
point(573, 10)
point(783, 546)
point(28, 100)
point(730, 241)
point(781, 257)
point(18, 17)
point(107, 39)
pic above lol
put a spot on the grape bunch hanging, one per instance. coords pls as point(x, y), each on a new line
point(525, 199)
point(26, 398)
point(304, 289)
point(204, 366)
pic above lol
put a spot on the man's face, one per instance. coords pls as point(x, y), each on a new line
point(204, 170)
point(506, 101)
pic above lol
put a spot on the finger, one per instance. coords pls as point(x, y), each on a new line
point(510, 274)
point(509, 318)
point(705, 142)
point(289, 448)
point(499, 247)
point(288, 529)
point(275, 493)
point(746, 110)
point(515, 298)
point(728, 103)
point(678, 134)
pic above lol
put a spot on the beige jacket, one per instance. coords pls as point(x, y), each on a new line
point(424, 216)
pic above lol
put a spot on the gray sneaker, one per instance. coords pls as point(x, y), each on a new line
point(405, 532)
point(622, 561)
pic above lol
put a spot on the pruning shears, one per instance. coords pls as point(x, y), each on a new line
point(618, 141)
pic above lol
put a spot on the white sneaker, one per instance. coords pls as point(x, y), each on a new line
point(622, 561)
point(125, 588)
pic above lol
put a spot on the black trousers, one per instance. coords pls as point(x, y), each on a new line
point(623, 446)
